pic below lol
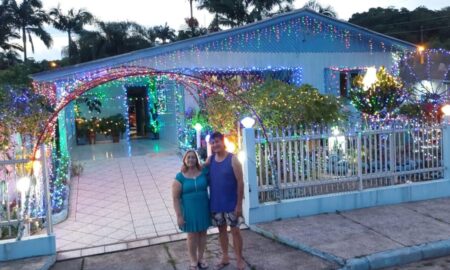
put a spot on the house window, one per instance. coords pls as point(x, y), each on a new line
point(347, 81)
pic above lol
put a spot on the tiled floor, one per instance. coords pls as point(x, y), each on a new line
point(124, 194)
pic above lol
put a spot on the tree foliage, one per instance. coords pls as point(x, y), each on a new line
point(317, 7)
point(71, 22)
point(231, 13)
point(21, 111)
point(381, 98)
point(277, 103)
point(408, 25)
point(29, 18)
point(280, 104)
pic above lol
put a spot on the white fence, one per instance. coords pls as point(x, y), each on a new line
point(24, 198)
point(323, 161)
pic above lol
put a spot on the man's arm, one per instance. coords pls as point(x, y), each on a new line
point(207, 162)
point(237, 169)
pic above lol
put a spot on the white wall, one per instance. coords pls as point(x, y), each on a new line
point(313, 64)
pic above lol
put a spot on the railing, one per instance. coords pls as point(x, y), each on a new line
point(316, 162)
point(24, 198)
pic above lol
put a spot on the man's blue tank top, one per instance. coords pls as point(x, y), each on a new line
point(223, 185)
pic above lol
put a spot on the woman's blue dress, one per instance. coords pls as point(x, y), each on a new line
point(195, 202)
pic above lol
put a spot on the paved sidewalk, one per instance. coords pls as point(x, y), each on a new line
point(119, 198)
point(442, 263)
point(259, 252)
point(377, 236)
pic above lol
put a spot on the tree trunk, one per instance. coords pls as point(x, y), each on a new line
point(192, 11)
point(70, 44)
point(24, 39)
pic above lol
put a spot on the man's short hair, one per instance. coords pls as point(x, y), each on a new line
point(217, 135)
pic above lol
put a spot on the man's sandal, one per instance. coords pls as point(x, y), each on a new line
point(203, 265)
point(221, 265)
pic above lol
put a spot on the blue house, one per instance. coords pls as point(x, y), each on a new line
point(160, 83)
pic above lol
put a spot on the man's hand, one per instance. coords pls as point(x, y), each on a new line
point(238, 210)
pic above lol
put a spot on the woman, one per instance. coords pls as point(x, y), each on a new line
point(191, 203)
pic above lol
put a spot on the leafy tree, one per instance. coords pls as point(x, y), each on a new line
point(21, 111)
point(7, 31)
point(381, 98)
point(277, 103)
point(193, 30)
point(165, 33)
point(222, 113)
point(71, 22)
point(232, 13)
point(413, 26)
point(112, 38)
point(29, 18)
point(317, 7)
point(280, 105)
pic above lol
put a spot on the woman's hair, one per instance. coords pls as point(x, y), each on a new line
point(184, 167)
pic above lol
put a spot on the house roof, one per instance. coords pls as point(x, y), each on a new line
point(213, 37)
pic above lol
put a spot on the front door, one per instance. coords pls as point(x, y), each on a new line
point(138, 115)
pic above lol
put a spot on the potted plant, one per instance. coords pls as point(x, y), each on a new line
point(116, 125)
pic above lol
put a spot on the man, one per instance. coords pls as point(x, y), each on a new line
point(226, 195)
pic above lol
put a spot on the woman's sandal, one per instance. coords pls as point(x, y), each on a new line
point(203, 265)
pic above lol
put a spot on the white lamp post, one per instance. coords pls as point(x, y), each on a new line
point(208, 145)
point(446, 111)
point(198, 127)
point(446, 139)
point(248, 122)
point(23, 185)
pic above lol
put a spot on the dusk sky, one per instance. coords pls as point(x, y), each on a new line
point(157, 12)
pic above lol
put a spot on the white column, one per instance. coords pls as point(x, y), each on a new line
point(249, 170)
point(446, 145)
point(199, 139)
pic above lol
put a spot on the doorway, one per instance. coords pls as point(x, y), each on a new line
point(138, 113)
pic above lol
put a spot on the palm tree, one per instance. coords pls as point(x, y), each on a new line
point(7, 32)
point(317, 7)
point(165, 33)
point(71, 22)
point(113, 38)
point(234, 13)
point(29, 19)
point(148, 34)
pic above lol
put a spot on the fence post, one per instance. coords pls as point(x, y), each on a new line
point(446, 145)
point(392, 156)
point(358, 142)
point(249, 169)
point(46, 183)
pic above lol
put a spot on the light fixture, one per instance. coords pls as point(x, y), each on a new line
point(370, 77)
point(230, 146)
point(420, 48)
point(23, 184)
point(248, 122)
point(446, 110)
point(242, 156)
point(198, 127)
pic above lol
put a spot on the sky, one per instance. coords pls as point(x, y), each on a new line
point(158, 12)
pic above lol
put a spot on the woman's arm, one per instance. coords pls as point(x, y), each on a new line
point(176, 196)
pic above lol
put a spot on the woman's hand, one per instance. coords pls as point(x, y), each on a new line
point(180, 221)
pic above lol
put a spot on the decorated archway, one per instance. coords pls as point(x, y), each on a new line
point(62, 95)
